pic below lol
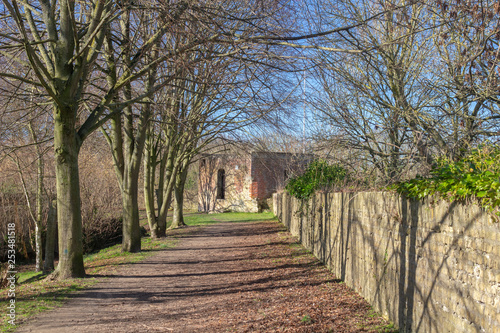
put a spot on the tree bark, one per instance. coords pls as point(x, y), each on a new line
point(38, 242)
point(131, 228)
point(161, 183)
point(180, 181)
point(50, 237)
point(178, 217)
point(149, 177)
point(168, 188)
point(39, 203)
point(67, 146)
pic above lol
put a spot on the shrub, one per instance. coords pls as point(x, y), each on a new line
point(13, 209)
point(101, 233)
point(319, 174)
point(475, 176)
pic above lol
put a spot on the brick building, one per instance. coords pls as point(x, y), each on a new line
point(244, 182)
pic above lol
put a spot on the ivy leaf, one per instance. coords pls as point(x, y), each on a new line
point(481, 194)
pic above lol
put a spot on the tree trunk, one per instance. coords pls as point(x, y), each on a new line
point(178, 217)
point(66, 146)
point(161, 183)
point(131, 228)
point(149, 195)
point(50, 237)
point(168, 187)
point(162, 217)
point(38, 246)
point(39, 212)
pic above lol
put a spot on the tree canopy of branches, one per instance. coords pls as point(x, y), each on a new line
point(98, 62)
point(425, 83)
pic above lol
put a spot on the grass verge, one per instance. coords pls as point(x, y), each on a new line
point(204, 219)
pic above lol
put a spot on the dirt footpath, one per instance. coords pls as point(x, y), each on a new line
point(227, 277)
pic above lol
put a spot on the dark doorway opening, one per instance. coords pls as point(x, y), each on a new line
point(221, 184)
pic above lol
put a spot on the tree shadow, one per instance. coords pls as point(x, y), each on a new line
point(403, 255)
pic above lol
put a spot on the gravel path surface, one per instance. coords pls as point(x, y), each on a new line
point(227, 277)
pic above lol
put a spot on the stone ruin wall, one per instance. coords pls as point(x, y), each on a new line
point(428, 266)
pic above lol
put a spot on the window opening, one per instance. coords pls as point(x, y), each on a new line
point(221, 184)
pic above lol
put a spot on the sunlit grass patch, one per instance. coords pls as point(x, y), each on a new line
point(203, 218)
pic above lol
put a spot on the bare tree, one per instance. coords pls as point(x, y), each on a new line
point(59, 42)
point(138, 33)
point(424, 84)
point(218, 87)
point(371, 98)
point(466, 40)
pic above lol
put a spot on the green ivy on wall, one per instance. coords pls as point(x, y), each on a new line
point(319, 174)
point(476, 176)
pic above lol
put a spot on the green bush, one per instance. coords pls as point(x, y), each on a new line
point(474, 176)
point(317, 175)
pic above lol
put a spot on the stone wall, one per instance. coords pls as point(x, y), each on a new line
point(427, 266)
